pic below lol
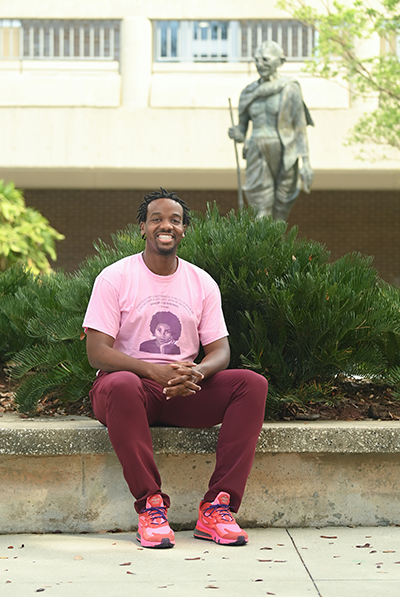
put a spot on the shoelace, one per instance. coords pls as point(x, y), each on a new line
point(155, 514)
point(221, 510)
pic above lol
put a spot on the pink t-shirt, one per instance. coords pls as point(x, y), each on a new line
point(159, 319)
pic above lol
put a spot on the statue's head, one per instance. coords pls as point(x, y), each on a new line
point(268, 58)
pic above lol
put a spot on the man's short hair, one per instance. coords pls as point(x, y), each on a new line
point(162, 194)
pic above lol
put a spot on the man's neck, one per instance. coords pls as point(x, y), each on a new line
point(161, 265)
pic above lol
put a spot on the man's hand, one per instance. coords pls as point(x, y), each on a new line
point(236, 134)
point(185, 381)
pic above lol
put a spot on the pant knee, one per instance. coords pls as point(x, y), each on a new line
point(123, 387)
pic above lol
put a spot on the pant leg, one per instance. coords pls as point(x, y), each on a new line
point(287, 191)
point(127, 405)
point(235, 398)
point(259, 186)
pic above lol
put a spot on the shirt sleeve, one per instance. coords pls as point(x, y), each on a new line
point(103, 312)
point(212, 325)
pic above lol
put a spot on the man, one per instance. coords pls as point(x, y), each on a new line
point(279, 116)
point(136, 389)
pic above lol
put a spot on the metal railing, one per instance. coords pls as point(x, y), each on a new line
point(229, 41)
point(45, 39)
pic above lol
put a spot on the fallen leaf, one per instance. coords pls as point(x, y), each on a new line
point(259, 580)
point(78, 558)
point(8, 581)
point(198, 558)
point(126, 564)
point(397, 562)
point(279, 561)
point(39, 590)
point(10, 547)
point(373, 551)
point(281, 544)
point(363, 546)
point(265, 560)
point(265, 548)
point(21, 546)
point(389, 551)
point(212, 587)
point(270, 593)
point(129, 572)
point(328, 537)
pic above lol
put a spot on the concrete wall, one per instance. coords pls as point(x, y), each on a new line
point(63, 475)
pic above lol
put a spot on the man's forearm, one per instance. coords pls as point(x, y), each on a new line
point(108, 359)
point(217, 357)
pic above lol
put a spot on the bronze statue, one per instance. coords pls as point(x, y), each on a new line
point(275, 106)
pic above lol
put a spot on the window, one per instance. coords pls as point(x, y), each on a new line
point(229, 41)
point(9, 38)
point(44, 39)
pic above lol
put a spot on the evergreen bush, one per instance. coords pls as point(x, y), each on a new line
point(292, 316)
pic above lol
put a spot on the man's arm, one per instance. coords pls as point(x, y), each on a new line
point(102, 355)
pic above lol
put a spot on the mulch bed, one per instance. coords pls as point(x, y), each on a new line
point(351, 401)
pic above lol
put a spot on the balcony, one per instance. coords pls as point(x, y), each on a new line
point(59, 63)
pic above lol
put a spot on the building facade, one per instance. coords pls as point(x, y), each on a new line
point(102, 101)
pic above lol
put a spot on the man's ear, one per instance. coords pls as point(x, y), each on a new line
point(142, 230)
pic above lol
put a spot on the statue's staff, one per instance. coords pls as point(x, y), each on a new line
point(239, 176)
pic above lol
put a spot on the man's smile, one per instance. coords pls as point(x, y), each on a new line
point(165, 237)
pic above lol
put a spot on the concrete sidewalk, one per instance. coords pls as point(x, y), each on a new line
point(328, 562)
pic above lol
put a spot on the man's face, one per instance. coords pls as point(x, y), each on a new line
point(267, 63)
point(164, 226)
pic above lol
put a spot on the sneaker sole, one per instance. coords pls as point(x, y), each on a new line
point(164, 544)
point(198, 534)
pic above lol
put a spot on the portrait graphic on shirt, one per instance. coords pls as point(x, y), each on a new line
point(166, 329)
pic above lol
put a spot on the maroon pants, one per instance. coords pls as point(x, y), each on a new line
point(129, 405)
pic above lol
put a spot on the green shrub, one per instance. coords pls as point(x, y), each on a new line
point(25, 235)
point(292, 316)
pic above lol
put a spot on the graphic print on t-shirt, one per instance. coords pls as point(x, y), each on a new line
point(166, 329)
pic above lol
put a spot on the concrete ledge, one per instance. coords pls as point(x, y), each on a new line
point(62, 474)
point(81, 435)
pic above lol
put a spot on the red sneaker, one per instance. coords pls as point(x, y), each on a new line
point(154, 530)
point(216, 523)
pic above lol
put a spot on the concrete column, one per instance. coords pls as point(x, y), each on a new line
point(136, 61)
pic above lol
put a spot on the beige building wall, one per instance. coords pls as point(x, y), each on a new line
point(86, 124)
